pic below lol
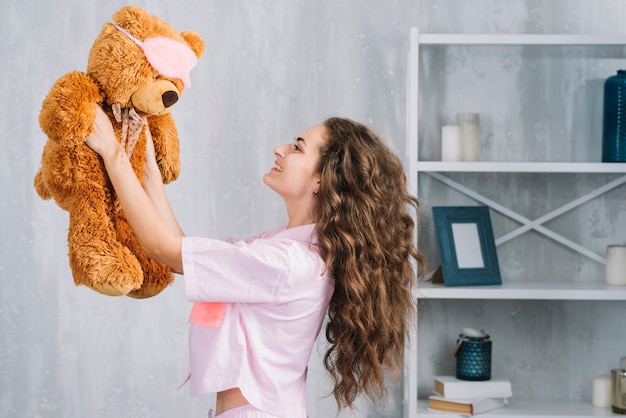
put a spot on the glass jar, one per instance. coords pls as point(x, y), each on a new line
point(473, 357)
point(618, 391)
point(614, 122)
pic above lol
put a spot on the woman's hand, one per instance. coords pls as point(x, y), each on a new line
point(151, 173)
point(151, 168)
point(103, 140)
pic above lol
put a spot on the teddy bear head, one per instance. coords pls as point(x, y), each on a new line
point(140, 61)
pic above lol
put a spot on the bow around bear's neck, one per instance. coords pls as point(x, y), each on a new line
point(132, 124)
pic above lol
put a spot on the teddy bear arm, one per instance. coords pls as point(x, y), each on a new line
point(166, 145)
point(68, 111)
point(56, 174)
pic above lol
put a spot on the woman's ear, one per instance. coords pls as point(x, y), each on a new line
point(316, 183)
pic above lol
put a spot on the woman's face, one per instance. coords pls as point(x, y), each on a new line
point(294, 175)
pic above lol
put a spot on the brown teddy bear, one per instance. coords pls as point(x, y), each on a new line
point(137, 69)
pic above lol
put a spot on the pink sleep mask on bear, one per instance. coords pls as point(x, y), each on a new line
point(170, 58)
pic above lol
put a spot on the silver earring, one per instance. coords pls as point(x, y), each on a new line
point(314, 193)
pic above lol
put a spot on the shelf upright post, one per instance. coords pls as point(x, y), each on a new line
point(410, 351)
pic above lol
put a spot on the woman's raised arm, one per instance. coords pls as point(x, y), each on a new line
point(155, 234)
point(153, 185)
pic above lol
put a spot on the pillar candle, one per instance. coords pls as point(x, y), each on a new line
point(615, 270)
point(601, 392)
point(450, 143)
point(468, 124)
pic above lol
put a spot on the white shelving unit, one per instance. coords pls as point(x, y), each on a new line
point(507, 291)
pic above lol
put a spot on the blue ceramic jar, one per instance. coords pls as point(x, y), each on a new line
point(614, 123)
point(473, 358)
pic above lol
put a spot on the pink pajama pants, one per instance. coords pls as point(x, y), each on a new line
point(246, 411)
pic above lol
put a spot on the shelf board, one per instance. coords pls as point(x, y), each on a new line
point(519, 39)
point(520, 167)
point(523, 290)
point(530, 409)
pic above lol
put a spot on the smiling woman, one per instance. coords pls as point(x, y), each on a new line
point(259, 303)
point(295, 177)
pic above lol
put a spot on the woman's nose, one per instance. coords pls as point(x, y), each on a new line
point(279, 150)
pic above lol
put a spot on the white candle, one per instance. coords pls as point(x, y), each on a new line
point(615, 270)
point(450, 143)
point(601, 392)
point(470, 135)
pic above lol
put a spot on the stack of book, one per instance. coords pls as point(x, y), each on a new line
point(467, 397)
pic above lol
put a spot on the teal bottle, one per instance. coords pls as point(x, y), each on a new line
point(614, 123)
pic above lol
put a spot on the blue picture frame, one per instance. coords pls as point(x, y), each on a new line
point(466, 246)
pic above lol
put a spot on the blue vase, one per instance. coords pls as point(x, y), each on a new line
point(473, 358)
point(614, 126)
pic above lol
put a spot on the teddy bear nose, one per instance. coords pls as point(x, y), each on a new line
point(169, 98)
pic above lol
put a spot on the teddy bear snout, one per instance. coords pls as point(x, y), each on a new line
point(156, 98)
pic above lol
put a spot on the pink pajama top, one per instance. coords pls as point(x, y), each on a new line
point(276, 291)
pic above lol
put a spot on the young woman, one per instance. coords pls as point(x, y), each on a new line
point(347, 250)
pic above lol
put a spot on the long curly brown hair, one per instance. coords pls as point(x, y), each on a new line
point(365, 224)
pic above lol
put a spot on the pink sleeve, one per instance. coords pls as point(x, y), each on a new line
point(252, 271)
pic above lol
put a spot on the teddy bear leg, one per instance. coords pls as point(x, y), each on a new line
point(99, 262)
point(97, 259)
point(156, 276)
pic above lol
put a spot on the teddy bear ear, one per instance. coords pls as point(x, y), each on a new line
point(133, 18)
point(195, 42)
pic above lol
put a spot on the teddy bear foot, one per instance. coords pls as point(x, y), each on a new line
point(145, 292)
point(156, 277)
point(109, 274)
point(110, 289)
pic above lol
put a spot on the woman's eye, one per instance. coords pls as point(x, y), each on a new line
point(296, 147)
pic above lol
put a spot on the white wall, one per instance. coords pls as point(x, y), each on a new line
point(270, 70)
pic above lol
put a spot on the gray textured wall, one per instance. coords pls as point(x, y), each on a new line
point(270, 70)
